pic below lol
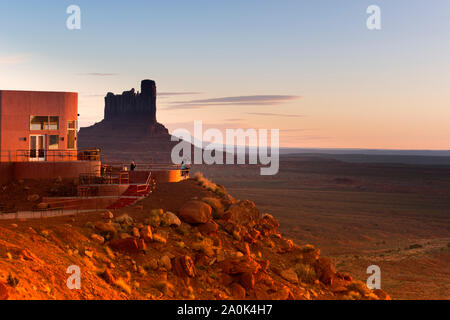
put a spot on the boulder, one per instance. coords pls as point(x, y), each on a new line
point(209, 227)
point(289, 275)
point(238, 291)
point(128, 245)
point(268, 225)
point(146, 233)
point(108, 276)
point(325, 270)
point(195, 212)
point(378, 292)
point(235, 266)
point(183, 266)
point(97, 238)
point(172, 219)
point(247, 280)
point(165, 287)
point(159, 238)
point(108, 215)
point(216, 205)
point(106, 228)
point(243, 213)
point(165, 263)
point(205, 247)
point(125, 219)
point(135, 232)
point(142, 245)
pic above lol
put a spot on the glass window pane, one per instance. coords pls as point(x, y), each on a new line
point(54, 123)
point(33, 146)
point(38, 122)
point(70, 139)
point(53, 142)
point(71, 124)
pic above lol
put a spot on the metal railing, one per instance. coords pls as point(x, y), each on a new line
point(145, 166)
point(50, 155)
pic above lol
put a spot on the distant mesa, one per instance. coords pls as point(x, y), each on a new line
point(129, 130)
point(131, 104)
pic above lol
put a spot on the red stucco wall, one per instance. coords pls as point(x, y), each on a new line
point(16, 107)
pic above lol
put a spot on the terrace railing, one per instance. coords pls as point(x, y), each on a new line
point(50, 155)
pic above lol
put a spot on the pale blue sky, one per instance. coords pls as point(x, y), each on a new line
point(334, 83)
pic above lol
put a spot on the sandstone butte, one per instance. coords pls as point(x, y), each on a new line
point(226, 250)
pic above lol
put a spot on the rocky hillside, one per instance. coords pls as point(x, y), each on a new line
point(189, 240)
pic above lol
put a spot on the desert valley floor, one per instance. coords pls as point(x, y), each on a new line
point(396, 216)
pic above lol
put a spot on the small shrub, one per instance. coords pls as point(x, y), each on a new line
point(352, 295)
point(415, 246)
point(182, 230)
point(358, 286)
point(307, 248)
point(305, 273)
point(12, 281)
point(209, 185)
point(154, 221)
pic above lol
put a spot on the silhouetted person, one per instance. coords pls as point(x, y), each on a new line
point(184, 169)
point(132, 166)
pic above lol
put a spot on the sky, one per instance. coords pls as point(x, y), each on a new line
point(309, 68)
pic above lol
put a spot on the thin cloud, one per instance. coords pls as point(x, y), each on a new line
point(14, 59)
point(99, 74)
point(167, 94)
point(269, 114)
point(254, 100)
point(234, 119)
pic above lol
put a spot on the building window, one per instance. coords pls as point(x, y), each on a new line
point(71, 134)
point(53, 142)
point(44, 123)
point(53, 123)
point(38, 122)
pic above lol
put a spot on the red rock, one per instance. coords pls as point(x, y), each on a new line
point(195, 212)
point(243, 213)
point(209, 227)
point(268, 225)
point(146, 234)
point(226, 279)
point(309, 255)
point(283, 293)
point(344, 276)
point(244, 248)
point(183, 266)
point(216, 205)
point(381, 294)
point(252, 236)
point(108, 276)
point(286, 245)
point(247, 280)
point(239, 265)
point(128, 245)
point(261, 293)
point(325, 270)
point(105, 227)
point(238, 291)
point(142, 245)
point(3, 292)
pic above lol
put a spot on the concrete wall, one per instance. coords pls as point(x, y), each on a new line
point(167, 176)
point(159, 175)
point(16, 107)
point(52, 170)
point(6, 172)
point(74, 203)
